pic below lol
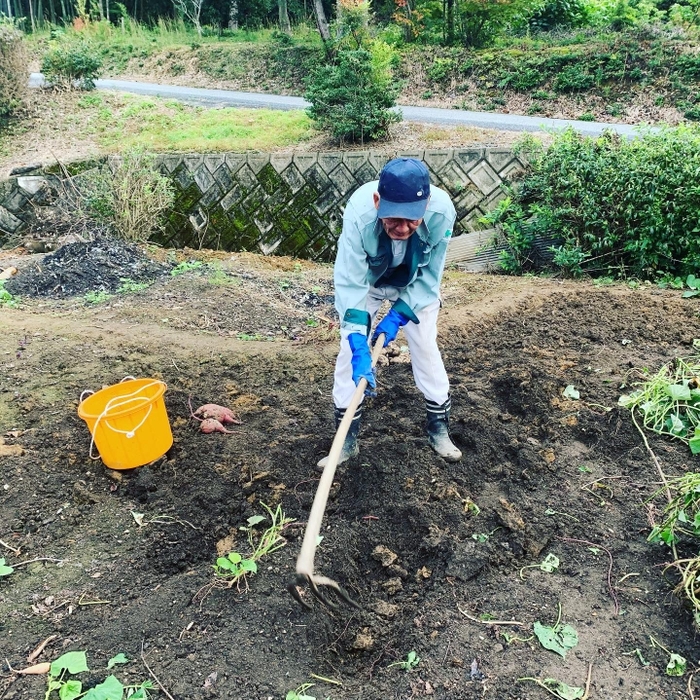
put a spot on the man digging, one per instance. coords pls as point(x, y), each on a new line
point(392, 247)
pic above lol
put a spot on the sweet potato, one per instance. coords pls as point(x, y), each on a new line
point(220, 413)
point(36, 670)
point(213, 410)
point(211, 425)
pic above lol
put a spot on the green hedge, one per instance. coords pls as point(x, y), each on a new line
point(627, 208)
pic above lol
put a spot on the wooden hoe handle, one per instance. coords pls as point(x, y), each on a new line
point(305, 561)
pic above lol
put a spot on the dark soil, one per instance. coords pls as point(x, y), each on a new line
point(77, 268)
point(548, 474)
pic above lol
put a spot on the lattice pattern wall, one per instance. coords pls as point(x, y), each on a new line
point(292, 204)
point(285, 204)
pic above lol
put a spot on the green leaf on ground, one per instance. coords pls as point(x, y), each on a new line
point(571, 393)
point(550, 563)
point(4, 569)
point(73, 662)
point(557, 639)
point(118, 659)
point(676, 665)
point(70, 690)
point(564, 691)
point(678, 392)
point(694, 441)
point(110, 689)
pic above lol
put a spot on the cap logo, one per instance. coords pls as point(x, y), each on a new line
point(419, 193)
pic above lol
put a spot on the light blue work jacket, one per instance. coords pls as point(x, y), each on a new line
point(364, 255)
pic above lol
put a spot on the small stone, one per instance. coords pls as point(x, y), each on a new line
point(397, 570)
point(392, 586)
point(11, 451)
point(384, 609)
point(363, 641)
point(384, 555)
point(423, 573)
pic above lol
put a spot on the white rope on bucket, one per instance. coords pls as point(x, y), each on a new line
point(118, 402)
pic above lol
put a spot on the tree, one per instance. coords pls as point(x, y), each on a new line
point(321, 21)
point(192, 10)
point(233, 15)
point(283, 13)
point(353, 97)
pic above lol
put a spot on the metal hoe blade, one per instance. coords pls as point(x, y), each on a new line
point(305, 561)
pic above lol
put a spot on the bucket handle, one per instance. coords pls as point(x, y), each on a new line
point(132, 432)
point(110, 405)
point(87, 392)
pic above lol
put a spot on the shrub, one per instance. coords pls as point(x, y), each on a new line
point(70, 65)
point(352, 98)
point(556, 14)
point(129, 194)
point(617, 207)
point(14, 74)
point(141, 196)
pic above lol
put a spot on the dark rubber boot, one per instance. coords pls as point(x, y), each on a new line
point(350, 446)
point(437, 429)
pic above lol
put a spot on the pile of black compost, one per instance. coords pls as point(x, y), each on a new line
point(75, 269)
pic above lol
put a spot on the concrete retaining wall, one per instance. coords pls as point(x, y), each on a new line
point(288, 204)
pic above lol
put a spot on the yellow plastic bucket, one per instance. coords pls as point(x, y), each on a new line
point(128, 423)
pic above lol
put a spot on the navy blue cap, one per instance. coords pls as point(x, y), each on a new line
point(404, 189)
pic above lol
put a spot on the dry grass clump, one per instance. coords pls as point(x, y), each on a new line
point(14, 73)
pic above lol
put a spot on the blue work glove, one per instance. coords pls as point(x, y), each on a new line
point(361, 359)
point(389, 325)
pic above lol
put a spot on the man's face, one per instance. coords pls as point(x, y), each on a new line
point(398, 229)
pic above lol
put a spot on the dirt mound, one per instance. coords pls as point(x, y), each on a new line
point(122, 562)
point(77, 268)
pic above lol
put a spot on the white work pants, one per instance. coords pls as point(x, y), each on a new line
point(426, 361)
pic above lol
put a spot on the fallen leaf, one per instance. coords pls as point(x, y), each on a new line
point(210, 680)
point(558, 639)
point(571, 393)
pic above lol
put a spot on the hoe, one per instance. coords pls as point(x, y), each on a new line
point(305, 562)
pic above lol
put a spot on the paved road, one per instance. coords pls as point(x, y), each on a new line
point(231, 98)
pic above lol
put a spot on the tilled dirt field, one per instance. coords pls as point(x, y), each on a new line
point(547, 474)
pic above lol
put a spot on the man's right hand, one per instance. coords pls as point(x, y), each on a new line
point(361, 360)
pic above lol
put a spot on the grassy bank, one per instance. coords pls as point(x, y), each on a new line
point(71, 126)
point(647, 74)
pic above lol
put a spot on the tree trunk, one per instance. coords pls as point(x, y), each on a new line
point(450, 21)
point(9, 8)
point(285, 26)
point(52, 12)
point(31, 15)
point(321, 21)
point(233, 15)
